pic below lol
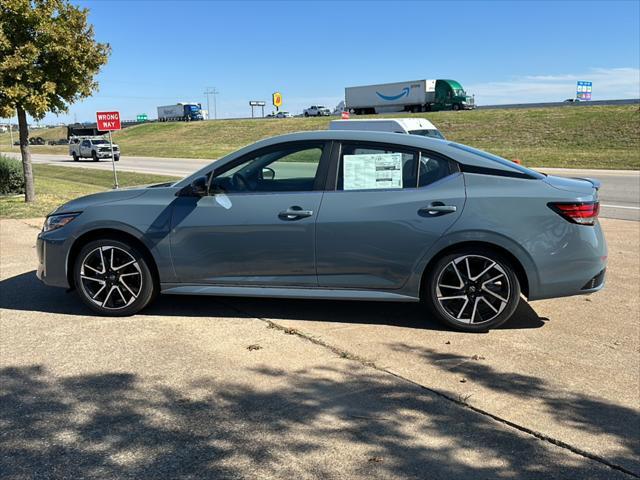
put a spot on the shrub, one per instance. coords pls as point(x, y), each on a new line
point(11, 178)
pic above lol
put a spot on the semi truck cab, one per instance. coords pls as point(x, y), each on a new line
point(451, 96)
point(193, 111)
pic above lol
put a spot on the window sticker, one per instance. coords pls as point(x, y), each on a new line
point(372, 171)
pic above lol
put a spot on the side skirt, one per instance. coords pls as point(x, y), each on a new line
point(284, 292)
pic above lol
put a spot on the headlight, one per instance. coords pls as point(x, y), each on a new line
point(53, 222)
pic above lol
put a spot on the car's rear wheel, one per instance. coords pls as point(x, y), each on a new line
point(75, 156)
point(113, 278)
point(472, 290)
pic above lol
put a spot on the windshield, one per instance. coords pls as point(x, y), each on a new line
point(459, 93)
point(497, 159)
point(194, 108)
point(428, 133)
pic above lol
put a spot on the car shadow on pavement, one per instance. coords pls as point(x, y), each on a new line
point(585, 413)
point(411, 315)
point(320, 422)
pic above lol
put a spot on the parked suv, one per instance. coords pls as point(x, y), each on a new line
point(317, 111)
point(92, 147)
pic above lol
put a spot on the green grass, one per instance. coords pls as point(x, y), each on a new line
point(574, 136)
point(57, 185)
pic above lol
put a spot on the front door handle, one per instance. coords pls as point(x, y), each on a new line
point(295, 213)
point(438, 208)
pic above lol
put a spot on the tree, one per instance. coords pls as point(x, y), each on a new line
point(48, 60)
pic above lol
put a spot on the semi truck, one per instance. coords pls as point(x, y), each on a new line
point(181, 112)
point(412, 96)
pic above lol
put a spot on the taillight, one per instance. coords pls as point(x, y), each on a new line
point(583, 213)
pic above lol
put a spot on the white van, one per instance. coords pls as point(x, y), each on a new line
point(413, 126)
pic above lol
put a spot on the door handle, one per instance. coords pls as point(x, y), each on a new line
point(438, 208)
point(295, 213)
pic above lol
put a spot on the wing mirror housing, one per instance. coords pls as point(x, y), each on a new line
point(268, 173)
point(197, 188)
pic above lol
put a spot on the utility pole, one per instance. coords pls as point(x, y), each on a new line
point(214, 92)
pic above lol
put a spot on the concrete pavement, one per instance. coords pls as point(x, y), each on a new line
point(198, 387)
point(619, 195)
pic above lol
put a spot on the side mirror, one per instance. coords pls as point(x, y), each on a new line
point(268, 173)
point(197, 188)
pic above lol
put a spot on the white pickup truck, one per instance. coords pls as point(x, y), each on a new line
point(92, 147)
point(317, 111)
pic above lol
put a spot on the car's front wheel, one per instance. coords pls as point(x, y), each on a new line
point(113, 278)
point(472, 290)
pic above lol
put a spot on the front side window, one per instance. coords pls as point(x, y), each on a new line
point(289, 169)
point(375, 168)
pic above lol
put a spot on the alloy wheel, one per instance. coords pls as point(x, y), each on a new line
point(473, 289)
point(111, 277)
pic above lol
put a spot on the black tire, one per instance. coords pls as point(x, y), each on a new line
point(116, 158)
point(306, 114)
point(75, 156)
point(456, 106)
point(94, 156)
point(442, 284)
point(140, 282)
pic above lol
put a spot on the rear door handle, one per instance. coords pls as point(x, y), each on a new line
point(295, 213)
point(435, 209)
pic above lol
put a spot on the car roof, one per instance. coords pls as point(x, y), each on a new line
point(461, 153)
point(406, 123)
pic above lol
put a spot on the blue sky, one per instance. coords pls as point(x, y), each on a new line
point(503, 52)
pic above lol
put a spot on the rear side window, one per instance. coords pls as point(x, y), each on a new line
point(364, 167)
point(432, 168)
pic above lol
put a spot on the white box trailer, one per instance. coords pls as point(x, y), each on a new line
point(180, 112)
point(411, 96)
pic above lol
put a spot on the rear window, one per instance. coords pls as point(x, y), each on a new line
point(497, 159)
point(428, 133)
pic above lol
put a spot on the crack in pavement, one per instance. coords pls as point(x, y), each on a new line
point(461, 402)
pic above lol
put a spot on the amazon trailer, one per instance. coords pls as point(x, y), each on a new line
point(412, 96)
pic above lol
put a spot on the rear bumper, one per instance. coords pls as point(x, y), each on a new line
point(577, 268)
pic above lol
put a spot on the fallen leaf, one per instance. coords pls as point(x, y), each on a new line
point(255, 346)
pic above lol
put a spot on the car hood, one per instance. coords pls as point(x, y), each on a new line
point(101, 198)
point(578, 185)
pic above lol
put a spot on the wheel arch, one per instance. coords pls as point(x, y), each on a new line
point(114, 234)
point(513, 260)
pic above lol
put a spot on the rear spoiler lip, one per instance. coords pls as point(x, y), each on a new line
point(596, 183)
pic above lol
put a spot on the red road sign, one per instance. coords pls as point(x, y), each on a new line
point(345, 115)
point(108, 121)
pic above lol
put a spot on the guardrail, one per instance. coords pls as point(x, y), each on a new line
point(626, 101)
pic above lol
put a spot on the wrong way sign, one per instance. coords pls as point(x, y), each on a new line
point(108, 121)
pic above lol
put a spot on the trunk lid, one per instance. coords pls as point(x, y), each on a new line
point(584, 186)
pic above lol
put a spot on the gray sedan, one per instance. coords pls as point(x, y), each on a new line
point(337, 215)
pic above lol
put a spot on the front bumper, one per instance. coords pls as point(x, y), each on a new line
point(116, 153)
point(52, 261)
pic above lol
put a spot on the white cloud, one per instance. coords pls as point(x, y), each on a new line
point(612, 83)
